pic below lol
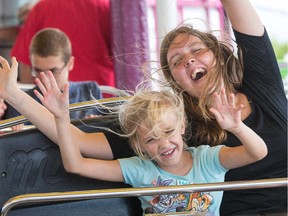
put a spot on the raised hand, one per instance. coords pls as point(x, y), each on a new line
point(8, 77)
point(226, 113)
point(52, 98)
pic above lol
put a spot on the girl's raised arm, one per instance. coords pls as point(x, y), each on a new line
point(90, 144)
point(228, 116)
point(243, 17)
point(58, 104)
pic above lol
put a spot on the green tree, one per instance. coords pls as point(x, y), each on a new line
point(281, 50)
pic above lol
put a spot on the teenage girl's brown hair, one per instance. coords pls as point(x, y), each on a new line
point(228, 72)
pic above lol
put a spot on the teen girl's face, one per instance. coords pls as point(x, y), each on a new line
point(165, 151)
point(190, 61)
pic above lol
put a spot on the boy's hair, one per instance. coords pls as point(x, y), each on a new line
point(51, 42)
point(150, 109)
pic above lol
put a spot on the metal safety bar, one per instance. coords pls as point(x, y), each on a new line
point(135, 192)
point(114, 91)
point(99, 103)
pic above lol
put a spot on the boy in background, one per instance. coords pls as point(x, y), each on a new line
point(50, 50)
point(88, 26)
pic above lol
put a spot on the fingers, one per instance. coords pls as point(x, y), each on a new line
point(52, 81)
point(233, 102)
point(223, 103)
point(221, 98)
point(16, 128)
point(14, 65)
point(224, 99)
point(231, 98)
point(3, 107)
point(3, 63)
point(40, 86)
point(240, 107)
point(38, 95)
point(216, 100)
point(47, 82)
point(216, 114)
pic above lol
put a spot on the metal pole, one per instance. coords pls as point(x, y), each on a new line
point(100, 103)
point(132, 192)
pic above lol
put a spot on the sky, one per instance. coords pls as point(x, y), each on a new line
point(274, 15)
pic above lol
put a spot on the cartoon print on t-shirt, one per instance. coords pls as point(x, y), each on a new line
point(195, 202)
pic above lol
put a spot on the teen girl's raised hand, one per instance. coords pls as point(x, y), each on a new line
point(8, 77)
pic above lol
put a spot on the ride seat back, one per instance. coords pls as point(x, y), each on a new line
point(31, 163)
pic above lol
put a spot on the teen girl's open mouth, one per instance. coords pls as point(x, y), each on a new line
point(198, 74)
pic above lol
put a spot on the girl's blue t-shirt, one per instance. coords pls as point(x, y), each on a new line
point(206, 169)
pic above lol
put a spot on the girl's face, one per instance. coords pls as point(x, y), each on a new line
point(165, 151)
point(189, 61)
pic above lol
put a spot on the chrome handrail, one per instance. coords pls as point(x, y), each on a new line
point(99, 103)
point(135, 192)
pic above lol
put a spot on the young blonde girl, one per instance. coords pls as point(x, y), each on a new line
point(154, 122)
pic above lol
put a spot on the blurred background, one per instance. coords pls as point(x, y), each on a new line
point(160, 16)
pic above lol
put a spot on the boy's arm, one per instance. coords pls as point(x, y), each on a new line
point(229, 118)
point(90, 144)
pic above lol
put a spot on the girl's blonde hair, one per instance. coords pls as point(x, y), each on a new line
point(150, 108)
point(228, 72)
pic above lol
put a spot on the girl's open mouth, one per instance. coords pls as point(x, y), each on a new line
point(198, 74)
point(168, 153)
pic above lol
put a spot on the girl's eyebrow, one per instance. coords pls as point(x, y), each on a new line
point(146, 139)
point(178, 54)
point(173, 56)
